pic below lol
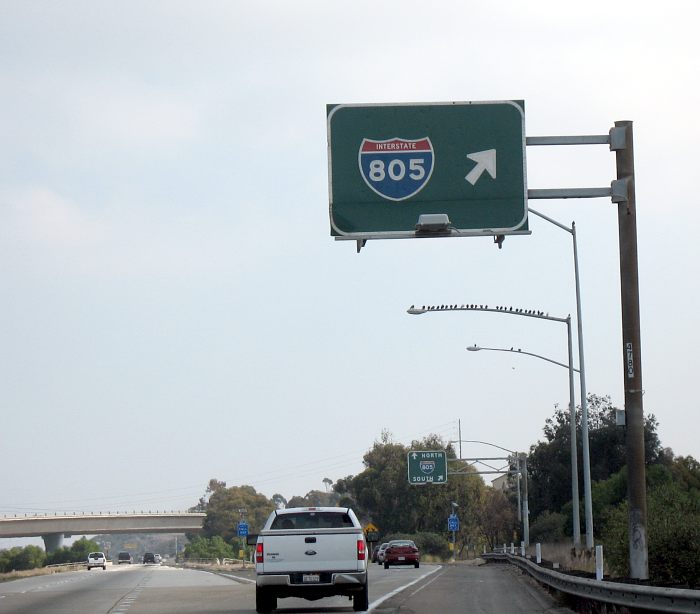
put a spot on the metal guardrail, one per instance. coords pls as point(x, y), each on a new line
point(652, 598)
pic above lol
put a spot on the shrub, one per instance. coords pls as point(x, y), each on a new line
point(209, 548)
point(673, 536)
point(18, 559)
point(548, 528)
point(76, 553)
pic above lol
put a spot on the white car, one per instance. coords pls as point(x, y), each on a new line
point(96, 559)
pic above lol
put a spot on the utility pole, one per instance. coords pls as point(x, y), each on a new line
point(621, 142)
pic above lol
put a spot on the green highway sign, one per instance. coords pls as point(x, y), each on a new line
point(427, 467)
point(391, 163)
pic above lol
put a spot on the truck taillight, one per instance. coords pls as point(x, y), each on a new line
point(259, 553)
point(361, 552)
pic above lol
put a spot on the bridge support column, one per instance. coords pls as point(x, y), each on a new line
point(53, 541)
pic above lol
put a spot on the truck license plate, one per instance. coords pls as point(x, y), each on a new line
point(402, 558)
point(310, 578)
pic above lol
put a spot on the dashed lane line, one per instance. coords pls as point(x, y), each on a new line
point(396, 591)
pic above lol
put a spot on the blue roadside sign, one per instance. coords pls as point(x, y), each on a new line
point(452, 523)
point(242, 529)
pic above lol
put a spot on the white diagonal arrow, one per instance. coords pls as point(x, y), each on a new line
point(485, 161)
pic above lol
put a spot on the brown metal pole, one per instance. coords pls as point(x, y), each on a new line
point(632, 357)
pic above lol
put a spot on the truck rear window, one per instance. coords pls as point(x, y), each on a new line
point(312, 520)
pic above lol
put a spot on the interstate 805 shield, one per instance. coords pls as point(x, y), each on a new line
point(396, 168)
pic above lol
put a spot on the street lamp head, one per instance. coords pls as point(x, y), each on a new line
point(473, 348)
point(414, 311)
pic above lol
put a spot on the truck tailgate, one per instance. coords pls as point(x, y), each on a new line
point(319, 551)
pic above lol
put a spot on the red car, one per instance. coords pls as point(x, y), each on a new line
point(401, 552)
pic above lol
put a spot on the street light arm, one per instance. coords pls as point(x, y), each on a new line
point(475, 348)
point(528, 313)
point(486, 443)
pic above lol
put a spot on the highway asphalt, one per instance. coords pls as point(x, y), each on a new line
point(138, 589)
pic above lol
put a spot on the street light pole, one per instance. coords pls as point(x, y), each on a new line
point(574, 455)
point(574, 460)
point(522, 466)
point(531, 313)
point(587, 496)
point(454, 540)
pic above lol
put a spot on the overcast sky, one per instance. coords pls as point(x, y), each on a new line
point(174, 308)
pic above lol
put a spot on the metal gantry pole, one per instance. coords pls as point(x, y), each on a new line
point(623, 145)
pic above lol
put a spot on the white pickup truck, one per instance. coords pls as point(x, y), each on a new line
point(311, 552)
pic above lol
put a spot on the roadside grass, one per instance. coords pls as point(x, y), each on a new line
point(28, 573)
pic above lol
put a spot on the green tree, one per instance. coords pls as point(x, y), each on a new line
point(279, 501)
point(223, 510)
point(208, 548)
point(549, 461)
point(31, 557)
point(76, 553)
point(686, 470)
point(550, 527)
point(381, 492)
point(21, 558)
point(496, 517)
point(315, 498)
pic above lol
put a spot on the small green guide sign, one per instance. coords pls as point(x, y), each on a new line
point(391, 163)
point(427, 467)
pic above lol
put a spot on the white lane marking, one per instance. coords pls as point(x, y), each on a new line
point(419, 589)
point(127, 601)
point(239, 578)
point(396, 591)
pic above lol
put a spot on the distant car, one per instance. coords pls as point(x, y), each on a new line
point(380, 552)
point(96, 559)
point(124, 557)
point(158, 558)
point(375, 550)
point(401, 552)
point(149, 558)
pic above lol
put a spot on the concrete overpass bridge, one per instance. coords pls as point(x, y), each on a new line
point(52, 529)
